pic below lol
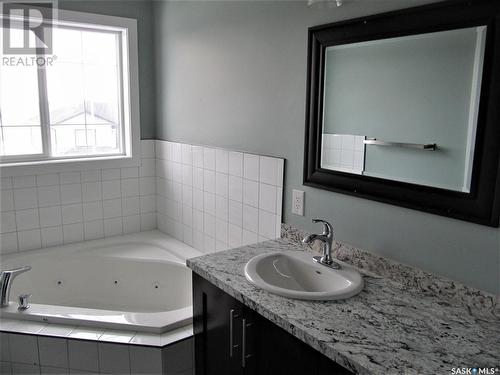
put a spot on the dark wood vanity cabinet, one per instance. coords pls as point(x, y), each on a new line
point(233, 339)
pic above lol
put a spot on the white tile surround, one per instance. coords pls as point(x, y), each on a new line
point(214, 199)
point(209, 198)
point(54, 349)
point(53, 209)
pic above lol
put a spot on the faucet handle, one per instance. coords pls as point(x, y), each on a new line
point(327, 227)
point(23, 302)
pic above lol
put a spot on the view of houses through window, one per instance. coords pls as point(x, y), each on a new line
point(69, 108)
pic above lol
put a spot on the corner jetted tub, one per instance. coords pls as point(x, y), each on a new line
point(135, 282)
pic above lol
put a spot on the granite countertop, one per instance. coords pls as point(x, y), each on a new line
point(386, 329)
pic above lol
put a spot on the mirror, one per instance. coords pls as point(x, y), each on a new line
point(404, 108)
point(401, 109)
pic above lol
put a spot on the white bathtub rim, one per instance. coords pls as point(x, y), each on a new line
point(160, 322)
point(155, 238)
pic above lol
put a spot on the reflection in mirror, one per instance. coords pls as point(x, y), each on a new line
point(404, 108)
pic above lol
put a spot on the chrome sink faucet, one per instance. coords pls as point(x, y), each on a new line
point(6, 279)
point(327, 239)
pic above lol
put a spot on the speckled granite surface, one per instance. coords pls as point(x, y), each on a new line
point(386, 329)
point(479, 302)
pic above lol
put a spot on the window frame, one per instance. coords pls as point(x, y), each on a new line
point(129, 103)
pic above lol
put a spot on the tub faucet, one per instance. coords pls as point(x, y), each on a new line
point(327, 239)
point(6, 278)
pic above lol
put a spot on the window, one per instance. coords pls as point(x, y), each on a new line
point(72, 104)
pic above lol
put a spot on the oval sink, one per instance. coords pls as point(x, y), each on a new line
point(296, 275)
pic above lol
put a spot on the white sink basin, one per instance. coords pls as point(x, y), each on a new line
point(296, 275)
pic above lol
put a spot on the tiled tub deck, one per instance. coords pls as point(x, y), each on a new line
point(57, 349)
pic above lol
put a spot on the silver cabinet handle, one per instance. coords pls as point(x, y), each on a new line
point(244, 355)
point(232, 315)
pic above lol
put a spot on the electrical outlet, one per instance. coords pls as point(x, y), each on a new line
point(298, 202)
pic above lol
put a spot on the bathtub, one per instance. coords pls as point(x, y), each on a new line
point(136, 282)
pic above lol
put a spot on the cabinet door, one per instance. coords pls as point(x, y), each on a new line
point(217, 320)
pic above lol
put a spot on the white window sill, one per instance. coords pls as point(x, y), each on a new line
point(68, 165)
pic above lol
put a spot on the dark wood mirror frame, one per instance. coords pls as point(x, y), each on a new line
point(482, 204)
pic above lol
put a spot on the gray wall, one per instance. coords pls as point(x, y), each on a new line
point(233, 74)
point(142, 11)
point(415, 90)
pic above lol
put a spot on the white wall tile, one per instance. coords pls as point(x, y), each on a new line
point(112, 208)
point(187, 154)
point(187, 175)
point(176, 152)
point(47, 179)
point(209, 158)
point(8, 222)
point(111, 189)
point(8, 243)
point(187, 215)
point(198, 220)
point(221, 230)
point(92, 211)
point(148, 221)
point(25, 198)
point(6, 200)
point(131, 224)
point(130, 187)
point(147, 186)
point(27, 219)
point(235, 164)
point(70, 178)
point(129, 172)
point(23, 181)
point(176, 172)
point(93, 230)
point(110, 174)
point(198, 156)
point(267, 224)
point(72, 233)
point(235, 213)
point(221, 208)
point(72, 213)
point(148, 148)
point(251, 193)
point(147, 204)
point(29, 239)
point(49, 196)
point(251, 167)
point(209, 224)
point(91, 191)
point(235, 188)
point(209, 181)
point(92, 175)
point(209, 203)
point(198, 178)
point(52, 236)
point(234, 235)
point(268, 170)
point(6, 183)
point(221, 161)
point(198, 199)
point(208, 243)
point(147, 168)
point(267, 198)
point(50, 216)
point(71, 193)
point(113, 227)
point(221, 184)
point(249, 237)
point(250, 218)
